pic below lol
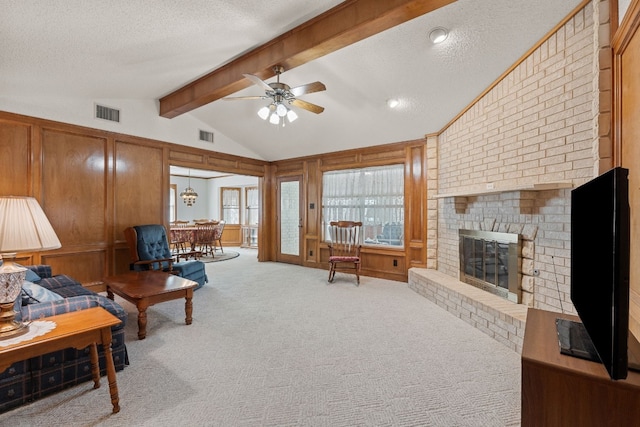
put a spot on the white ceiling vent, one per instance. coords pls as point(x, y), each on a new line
point(206, 136)
point(107, 113)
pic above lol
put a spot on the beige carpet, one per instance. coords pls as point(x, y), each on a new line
point(274, 345)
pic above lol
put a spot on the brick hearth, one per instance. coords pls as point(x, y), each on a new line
point(497, 317)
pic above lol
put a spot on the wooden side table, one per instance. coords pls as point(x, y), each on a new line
point(77, 329)
point(146, 288)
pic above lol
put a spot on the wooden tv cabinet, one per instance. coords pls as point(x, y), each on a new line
point(559, 390)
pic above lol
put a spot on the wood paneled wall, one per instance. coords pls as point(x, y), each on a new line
point(626, 50)
point(92, 184)
point(390, 263)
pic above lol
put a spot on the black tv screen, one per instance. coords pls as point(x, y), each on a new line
point(600, 265)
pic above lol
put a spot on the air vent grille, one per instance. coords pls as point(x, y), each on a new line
point(206, 136)
point(107, 113)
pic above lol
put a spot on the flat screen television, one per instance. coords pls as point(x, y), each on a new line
point(600, 273)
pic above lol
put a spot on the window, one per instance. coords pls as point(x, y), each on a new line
point(251, 200)
point(230, 197)
point(374, 196)
point(173, 197)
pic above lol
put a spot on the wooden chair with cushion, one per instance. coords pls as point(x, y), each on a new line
point(344, 248)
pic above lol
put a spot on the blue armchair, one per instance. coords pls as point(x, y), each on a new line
point(149, 250)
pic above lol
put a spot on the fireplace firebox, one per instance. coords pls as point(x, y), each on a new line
point(490, 261)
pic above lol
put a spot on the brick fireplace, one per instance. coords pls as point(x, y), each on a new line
point(507, 164)
point(540, 218)
point(491, 261)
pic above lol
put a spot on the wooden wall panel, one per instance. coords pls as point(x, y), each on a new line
point(252, 169)
point(382, 263)
point(384, 156)
point(16, 148)
point(94, 184)
point(141, 186)
point(416, 206)
point(122, 258)
point(86, 267)
point(311, 251)
point(379, 262)
point(224, 164)
point(74, 195)
point(267, 227)
point(387, 264)
point(343, 160)
point(370, 156)
point(289, 167)
point(232, 235)
point(626, 46)
point(313, 185)
point(202, 159)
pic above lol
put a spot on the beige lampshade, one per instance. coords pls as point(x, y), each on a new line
point(24, 227)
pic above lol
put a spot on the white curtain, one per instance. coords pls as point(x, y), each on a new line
point(231, 205)
point(252, 206)
point(172, 204)
point(373, 195)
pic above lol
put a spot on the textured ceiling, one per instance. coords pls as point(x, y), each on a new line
point(134, 52)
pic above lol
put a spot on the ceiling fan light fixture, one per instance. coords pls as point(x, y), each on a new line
point(281, 109)
point(438, 35)
point(281, 96)
point(263, 113)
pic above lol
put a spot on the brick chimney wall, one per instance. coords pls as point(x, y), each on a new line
point(539, 124)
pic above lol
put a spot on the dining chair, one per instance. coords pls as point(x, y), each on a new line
point(217, 236)
point(344, 248)
point(178, 239)
point(205, 238)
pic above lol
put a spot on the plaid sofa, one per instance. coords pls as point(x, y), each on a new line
point(34, 378)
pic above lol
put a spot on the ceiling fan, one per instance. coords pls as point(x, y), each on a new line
point(281, 95)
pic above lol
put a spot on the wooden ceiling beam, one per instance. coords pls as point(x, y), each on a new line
point(345, 24)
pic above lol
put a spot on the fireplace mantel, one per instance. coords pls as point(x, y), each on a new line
point(461, 198)
point(491, 189)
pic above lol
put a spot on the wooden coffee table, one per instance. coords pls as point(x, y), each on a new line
point(146, 288)
point(77, 329)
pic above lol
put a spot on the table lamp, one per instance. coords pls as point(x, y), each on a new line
point(23, 228)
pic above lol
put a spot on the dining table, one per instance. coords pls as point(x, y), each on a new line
point(184, 234)
point(188, 233)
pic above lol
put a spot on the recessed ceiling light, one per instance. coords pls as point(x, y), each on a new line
point(393, 103)
point(438, 35)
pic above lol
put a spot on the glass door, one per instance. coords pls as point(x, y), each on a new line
point(289, 220)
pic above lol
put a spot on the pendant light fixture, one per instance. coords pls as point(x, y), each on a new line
point(189, 195)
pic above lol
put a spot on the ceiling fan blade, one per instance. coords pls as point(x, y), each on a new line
point(258, 81)
point(307, 106)
point(235, 98)
point(308, 88)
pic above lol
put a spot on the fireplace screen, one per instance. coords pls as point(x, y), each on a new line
point(489, 260)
